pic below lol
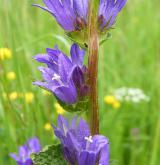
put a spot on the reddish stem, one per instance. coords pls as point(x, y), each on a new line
point(93, 47)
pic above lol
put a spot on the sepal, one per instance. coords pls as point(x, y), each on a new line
point(80, 106)
point(80, 37)
point(104, 36)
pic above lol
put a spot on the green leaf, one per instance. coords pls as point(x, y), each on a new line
point(51, 155)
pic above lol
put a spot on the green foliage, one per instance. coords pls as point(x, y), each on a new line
point(104, 36)
point(81, 37)
point(80, 107)
point(51, 155)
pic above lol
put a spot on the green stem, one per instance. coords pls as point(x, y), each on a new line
point(155, 145)
point(93, 48)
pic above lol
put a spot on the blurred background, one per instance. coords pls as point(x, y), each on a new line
point(129, 81)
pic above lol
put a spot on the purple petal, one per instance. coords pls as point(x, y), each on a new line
point(34, 145)
point(106, 9)
point(112, 20)
point(43, 8)
point(51, 82)
point(28, 162)
point(51, 78)
point(98, 143)
point(66, 94)
point(50, 61)
point(24, 152)
point(77, 55)
point(15, 157)
point(63, 124)
point(65, 66)
point(53, 53)
point(69, 156)
point(60, 136)
point(71, 147)
point(82, 131)
point(120, 4)
point(63, 12)
point(47, 74)
point(109, 9)
point(72, 143)
point(78, 77)
point(104, 155)
point(81, 8)
point(42, 84)
point(87, 158)
point(73, 124)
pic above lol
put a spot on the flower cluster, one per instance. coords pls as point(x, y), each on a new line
point(134, 95)
point(64, 76)
point(23, 156)
point(79, 147)
point(72, 15)
point(68, 79)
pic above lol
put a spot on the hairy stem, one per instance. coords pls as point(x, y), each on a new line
point(93, 47)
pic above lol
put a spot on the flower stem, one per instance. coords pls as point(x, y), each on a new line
point(156, 142)
point(93, 46)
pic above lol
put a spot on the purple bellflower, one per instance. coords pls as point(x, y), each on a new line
point(79, 147)
point(72, 15)
point(108, 11)
point(64, 76)
point(23, 156)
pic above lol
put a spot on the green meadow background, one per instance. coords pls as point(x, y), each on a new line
point(130, 58)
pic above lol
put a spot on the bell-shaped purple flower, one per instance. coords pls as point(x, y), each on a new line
point(80, 148)
point(64, 76)
point(108, 11)
point(23, 156)
point(72, 15)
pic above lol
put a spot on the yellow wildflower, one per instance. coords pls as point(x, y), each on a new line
point(116, 104)
point(29, 96)
point(59, 109)
point(5, 53)
point(11, 75)
point(8, 53)
point(13, 95)
point(47, 127)
point(109, 99)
